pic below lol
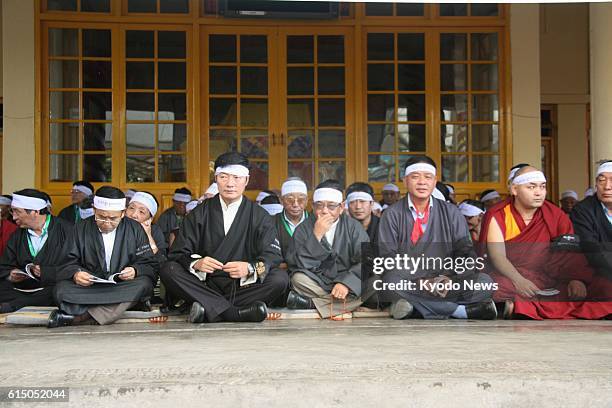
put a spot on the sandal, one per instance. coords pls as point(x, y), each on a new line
point(158, 319)
point(274, 316)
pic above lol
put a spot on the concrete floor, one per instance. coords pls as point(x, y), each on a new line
point(313, 363)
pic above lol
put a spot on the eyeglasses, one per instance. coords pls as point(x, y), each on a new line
point(292, 200)
point(319, 205)
point(113, 220)
point(603, 180)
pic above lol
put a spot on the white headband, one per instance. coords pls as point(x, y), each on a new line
point(83, 189)
point(191, 205)
point(569, 193)
point(272, 209)
point(490, 196)
point(261, 196)
point(293, 186)
point(109, 204)
point(450, 189)
point(327, 194)
point(604, 168)
point(438, 194)
point(376, 206)
point(28, 203)
point(469, 210)
point(182, 198)
point(512, 173)
point(589, 192)
point(530, 177)
point(212, 189)
point(359, 195)
point(86, 213)
point(5, 201)
point(130, 193)
point(428, 168)
point(147, 200)
point(237, 170)
point(391, 187)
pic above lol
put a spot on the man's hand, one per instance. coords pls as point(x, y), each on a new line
point(35, 269)
point(433, 288)
point(208, 265)
point(82, 278)
point(16, 276)
point(322, 225)
point(147, 226)
point(236, 270)
point(340, 291)
point(525, 288)
point(128, 273)
point(576, 290)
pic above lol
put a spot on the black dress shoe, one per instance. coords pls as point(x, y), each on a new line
point(59, 319)
point(197, 313)
point(142, 306)
point(299, 302)
point(257, 312)
point(482, 311)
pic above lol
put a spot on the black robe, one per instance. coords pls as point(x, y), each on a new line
point(373, 229)
point(283, 235)
point(168, 222)
point(69, 213)
point(160, 241)
point(595, 232)
point(86, 253)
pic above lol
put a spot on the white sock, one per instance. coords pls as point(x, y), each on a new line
point(460, 312)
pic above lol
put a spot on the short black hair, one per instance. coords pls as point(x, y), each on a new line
point(271, 199)
point(520, 165)
point(10, 197)
point(31, 192)
point(110, 192)
point(182, 190)
point(331, 183)
point(444, 190)
point(419, 159)
point(229, 158)
point(360, 186)
point(475, 203)
point(83, 183)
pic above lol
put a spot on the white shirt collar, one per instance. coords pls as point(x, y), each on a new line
point(229, 212)
point(109, 243)
point(411, 204)
point(290, 223)
point(329, 235)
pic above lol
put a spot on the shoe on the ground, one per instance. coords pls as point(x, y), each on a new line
point(59, 319)
point(256, 313)
point(298, 302)
point(197, 313)
point(401, 309)
point(482, 311)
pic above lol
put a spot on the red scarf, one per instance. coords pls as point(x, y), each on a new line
point(417, 228)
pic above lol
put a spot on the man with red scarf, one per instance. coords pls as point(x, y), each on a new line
point(531, 247)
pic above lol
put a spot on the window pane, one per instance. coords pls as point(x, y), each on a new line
point(222, 48)
point(300, 113)
point(254, 80)
point(381, 138)
point(484, 10)
point(97, 74)
point(172, 168)
point(410, 9)
point(485, 107)
point(380, 47)
point(139, 137)
point(485, 168)
point(300, 144)
point(222, 112)
point(254, 112)
point(97, 136)
point(140, 169)
point(331, 80)
point(379, 9)
point(172, 137)
point(454, 168)
point(411, 46)
point(172, 106)
point(222, 80)
point(454, 138)
point(300, 81)
point(454, 108)
point(485, 138)
point(410, 108)
point(453, 77)
point(63, 42)
point(96, 43)
point(303, 170)
point(381, 77)
point(172, 75)
point(330, 49)
point(140, 75)
point(140, 106)
point(411, 138)
point(102, 6)
point(484, 77)
point(62, 5)
point(64, 105)
point(97, 105)
point(411, 77)
point(142, 6)
point(453, 9)
point(97, 167)
point(381, 168)
point(332, 170)
point(221, 141)
point(253, 48)
point(300, 49)
point(171, 44)
point(332, 143)
point(63, 74)
point(331, 112)
point(63, 167)
point(64, 136)
point(139, 44)
point(254, 143)
point(484, 46)
point(453, 47)
point(381, 108)
point(258, 179)
point(174, 6)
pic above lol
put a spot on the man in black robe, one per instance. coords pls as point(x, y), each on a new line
point(294, 197)
point(592, 219)
point(171, 219)
point(28, 267)
point(226, 255)
point(107, 246)
point(360, 199)
point(80, 191)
